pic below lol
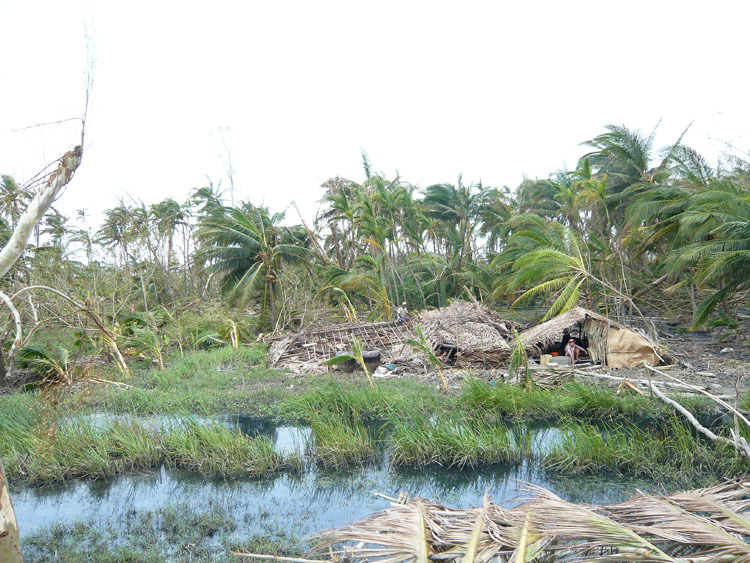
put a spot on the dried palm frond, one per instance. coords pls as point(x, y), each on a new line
point(706, 525)
point(404, 532)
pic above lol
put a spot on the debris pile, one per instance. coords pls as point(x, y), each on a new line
point(463, 335)
point(468, 335)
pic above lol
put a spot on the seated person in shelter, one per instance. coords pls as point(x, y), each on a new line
point(401, 313)
point(573, 350)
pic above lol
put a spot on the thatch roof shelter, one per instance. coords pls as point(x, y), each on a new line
point(608, 342)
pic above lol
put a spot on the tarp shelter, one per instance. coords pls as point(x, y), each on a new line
point(607, 341)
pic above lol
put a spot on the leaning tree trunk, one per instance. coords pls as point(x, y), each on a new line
point(12, 251)
point(10, 540)
point(10, 544)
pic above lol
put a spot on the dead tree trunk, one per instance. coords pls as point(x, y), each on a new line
point(10, 539)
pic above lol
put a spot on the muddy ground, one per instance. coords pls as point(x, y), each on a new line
point(713, 360)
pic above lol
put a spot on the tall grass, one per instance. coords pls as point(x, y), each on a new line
point(216, 450)
point(672, 451)
point(79, 449)
point(340, 442)
point(419, 440)
point(575, 399)
point(358, 401)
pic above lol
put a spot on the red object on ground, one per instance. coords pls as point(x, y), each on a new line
point(555, 354)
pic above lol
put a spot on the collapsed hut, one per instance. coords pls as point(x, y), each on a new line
point(463, 335)
point(607, 342)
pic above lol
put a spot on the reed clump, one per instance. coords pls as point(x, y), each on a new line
point(340, 442)
point(218, 451)
point(364, 402)
point(74, 447)
point(419, 440)
point(574, 399)
point(669, 451)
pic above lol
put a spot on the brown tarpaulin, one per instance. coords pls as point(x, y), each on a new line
point(626, 348)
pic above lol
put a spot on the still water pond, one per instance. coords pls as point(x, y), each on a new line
point(299, 503)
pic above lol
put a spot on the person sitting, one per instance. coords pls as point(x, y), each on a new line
point(573, 350)
point(401, 313)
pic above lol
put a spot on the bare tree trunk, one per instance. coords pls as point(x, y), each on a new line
point(12, 251)
point(10, 539)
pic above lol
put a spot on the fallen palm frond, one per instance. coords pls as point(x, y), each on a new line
point(704, 525)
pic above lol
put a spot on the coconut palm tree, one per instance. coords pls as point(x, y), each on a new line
point(55, 226)
point(117, 230)
point(247, 248)
point(456, 207)
point(167, 216)
point(717, 221)
point(545, 257)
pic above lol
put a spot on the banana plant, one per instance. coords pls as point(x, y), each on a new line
point(357, 355)
point(421, 345)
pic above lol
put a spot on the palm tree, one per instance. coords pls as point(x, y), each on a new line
point(624, 155)
point(549, 257)
point(457, 208)
point(13, 200)
point(167, 216)
point(717, 221)
point(247, 248)
point(497, 209)
point(338, 216)
point(55, 226)
point(117, 229)
point(208, 199)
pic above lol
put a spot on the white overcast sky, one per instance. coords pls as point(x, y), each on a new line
point(492, 90)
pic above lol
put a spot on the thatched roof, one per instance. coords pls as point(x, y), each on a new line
point(550, 332)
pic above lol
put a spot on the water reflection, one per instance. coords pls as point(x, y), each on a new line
point(310, 501)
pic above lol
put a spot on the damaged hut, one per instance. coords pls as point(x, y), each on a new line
point(607, 342)
point(463, 335)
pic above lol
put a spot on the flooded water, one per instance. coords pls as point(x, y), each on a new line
point(301, 503)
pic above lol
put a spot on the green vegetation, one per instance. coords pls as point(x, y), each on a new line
point(174, 532)
point(671, 450)
point(215, 450)
point(417, 440)
point(575, 399)
point(339, 442)
point(484, 423)
point(79, 449)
